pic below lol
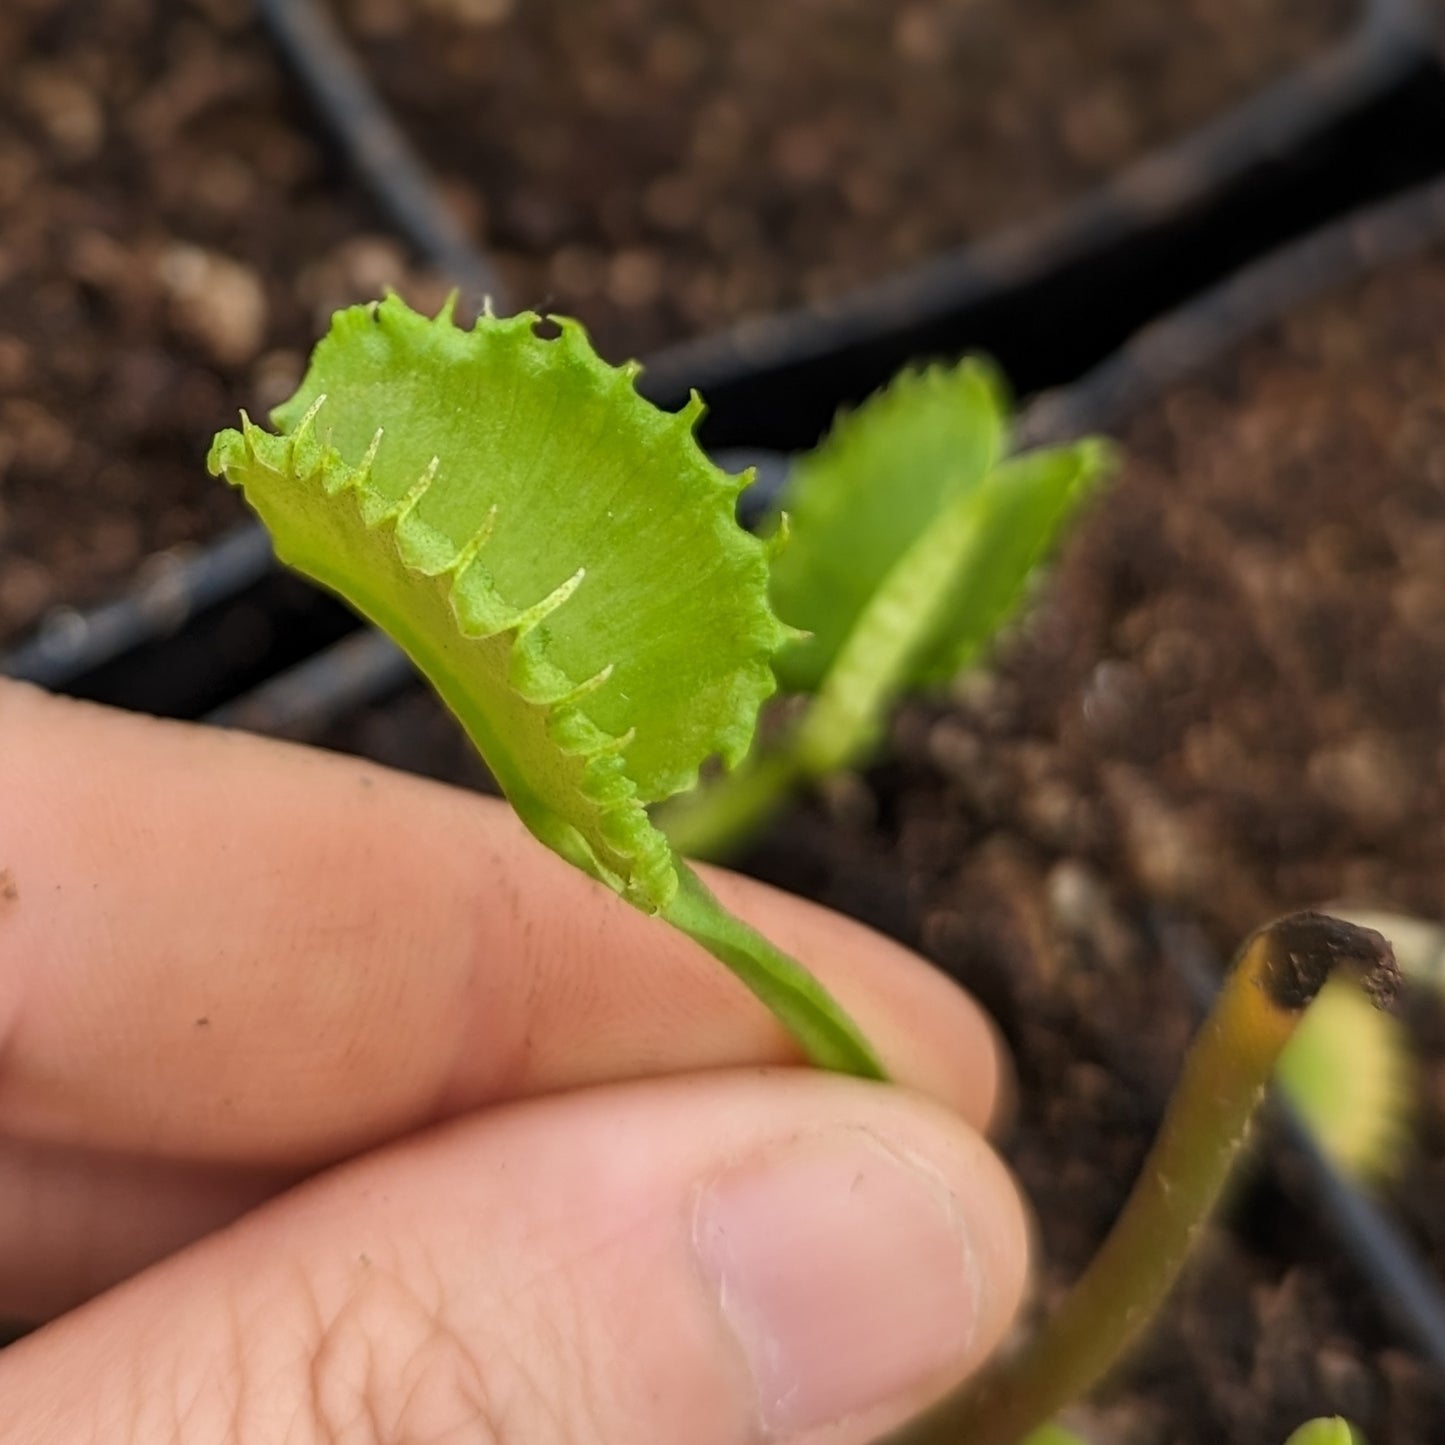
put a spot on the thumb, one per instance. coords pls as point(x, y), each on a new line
point(715, 1259)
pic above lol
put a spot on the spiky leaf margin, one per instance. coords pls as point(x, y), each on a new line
point(556, 555)
point(942, 602)
point(968, 558)
point(864, 497)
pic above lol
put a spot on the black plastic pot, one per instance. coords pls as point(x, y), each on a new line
point(1047, 300)
point(1047, 297)
point(1050, 297)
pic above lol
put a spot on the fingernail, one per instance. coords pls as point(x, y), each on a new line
point(845, 1271)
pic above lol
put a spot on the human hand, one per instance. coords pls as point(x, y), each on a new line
point(334, 1110)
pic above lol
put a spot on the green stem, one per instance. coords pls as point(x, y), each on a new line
point(1277, 974)
point(827, 1036)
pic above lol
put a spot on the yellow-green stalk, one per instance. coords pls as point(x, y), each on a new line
point(1276, 976)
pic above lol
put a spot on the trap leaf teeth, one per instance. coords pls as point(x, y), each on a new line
point(865, 496)
point(915, 541)
point(555, 553)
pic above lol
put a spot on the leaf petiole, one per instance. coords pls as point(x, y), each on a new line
point(806, 1009)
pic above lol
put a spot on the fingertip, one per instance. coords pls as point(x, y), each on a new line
point(778, 1254)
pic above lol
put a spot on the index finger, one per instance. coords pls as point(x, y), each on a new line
point(221, 948)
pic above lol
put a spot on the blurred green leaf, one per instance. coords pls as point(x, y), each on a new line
point(869, 491)
point(1333, 1431)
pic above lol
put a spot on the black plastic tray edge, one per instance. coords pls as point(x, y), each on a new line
point(1393, 37)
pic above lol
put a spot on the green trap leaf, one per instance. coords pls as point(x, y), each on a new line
point(1351, 1075)
point(861, 500)
point(1333, 1431)
point(910, 540)
point(564, 565)
point(555, 554)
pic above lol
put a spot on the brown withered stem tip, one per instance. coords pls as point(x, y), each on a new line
point(1304, 949)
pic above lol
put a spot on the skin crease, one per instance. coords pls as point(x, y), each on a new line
point(253, 963)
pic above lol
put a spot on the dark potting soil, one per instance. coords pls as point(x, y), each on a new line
point(664, 167)
point(1229, 702)
point(172, 241)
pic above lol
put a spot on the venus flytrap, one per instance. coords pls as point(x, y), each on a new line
point(1352, 1077)
point(562, 562)
point(1333, 1431)
point(912, 537)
